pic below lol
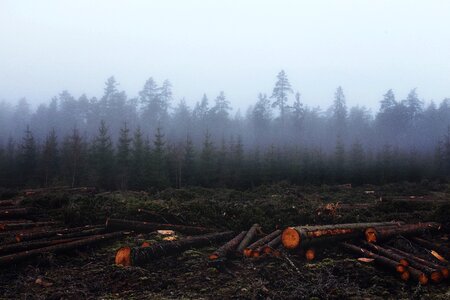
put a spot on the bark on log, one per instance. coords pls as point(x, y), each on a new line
point(25, 246)
point(26, 225)
point(432, 267)
point(376, 234)
point(16, 257)
point(301, 236)
point(388, 253)
point(272, 245)
point(164, 217)
point(379, 259)
point(228, 248)
point(248, 251)
point(433, 246)
point(127, 256)
point(389, 263)
point(21, 237)
point(16, 212)
point(251, 233)
point(9, 202)
point(119, 224)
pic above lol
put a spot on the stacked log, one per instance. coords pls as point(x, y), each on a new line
point(251, 250)
point(118, 224)
point(66, 232)
point(16, 212)
point(433, 246)
point(248, 238)
point(137, 256)
point(24, 225)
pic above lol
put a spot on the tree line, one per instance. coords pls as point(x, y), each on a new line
point(118, 142)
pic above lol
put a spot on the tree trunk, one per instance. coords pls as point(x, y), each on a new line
point(118, 224)
point(248, 251)
point(428, 267)
point(248, 238)
point(389, 264)
point(13, 258)
point(9, 202)
point(272, 245)
point(228, 248)
point(16, 212)
point(376, 234)
point(433, 246)
point(66, 232)
point(388, 253)
point(127, 256)
point(25, 246)
point(25, 225)
point(302, 236)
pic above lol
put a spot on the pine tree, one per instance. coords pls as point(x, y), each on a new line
point(139, 162)
point(189, 162)
point(28, 157)
point(50, 158)
point(339, 112)
point(207, 162)
point(124, 156)
point(102, 157)
point(280, 94)
point(159, 161)
point(74, 158)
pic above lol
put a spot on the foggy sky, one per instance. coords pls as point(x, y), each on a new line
point(239, 47)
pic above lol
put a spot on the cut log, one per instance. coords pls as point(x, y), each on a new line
point(302, 236)
point(272, 245)
point(26, 225)
point(388, 253)
point(376, 234)
point(9, 202)
point(16, 257)
point(431, 268)
point(228, 248)
point(164, 217)
point(261, 242)
point(248, 238)
point(25, 246)
point(380, 259)
point(433, 246)
point(137, 256)
point(119, 224)
point(67, 232)
point(16, 212)
point(310, 254)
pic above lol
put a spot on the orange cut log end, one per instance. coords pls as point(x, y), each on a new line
point(405, 276)
point(404, 262)
point(290, 238)
point(145, 245)
point(267, 250)
point(255, 254)
point(247, 252)
point(400, 268)
point(371, 235)
point(423, 279)
point(444, 272)
point(213, 256)
point(123, 256)
point(436, 276)
point(310, 254)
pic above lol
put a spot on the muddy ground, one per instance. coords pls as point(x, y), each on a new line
point(91, 274)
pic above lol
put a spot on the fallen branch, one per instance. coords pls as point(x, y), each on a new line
point(127, 256)
point(13, 258)
point(228, 248)
point(118, 224)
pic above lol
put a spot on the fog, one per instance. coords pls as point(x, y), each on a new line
point(146, 94)
point(366, 47)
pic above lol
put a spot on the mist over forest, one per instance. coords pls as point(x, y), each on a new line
point(153, 140)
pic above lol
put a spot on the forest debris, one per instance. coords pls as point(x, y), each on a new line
point(136, 256)
point(16, 257)
point(433, 246)
point(120, 224)
point(65, 232)
point(300, 236)
point(25, 246)
point(25, 225)
point(16, 212)
point(228, 248)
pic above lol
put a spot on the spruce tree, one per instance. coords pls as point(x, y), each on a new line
point(123, 157)
point(102, 157)
point(50, 158)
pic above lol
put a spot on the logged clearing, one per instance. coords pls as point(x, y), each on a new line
point(182, 243)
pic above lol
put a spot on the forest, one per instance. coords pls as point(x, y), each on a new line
point(150, 141)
